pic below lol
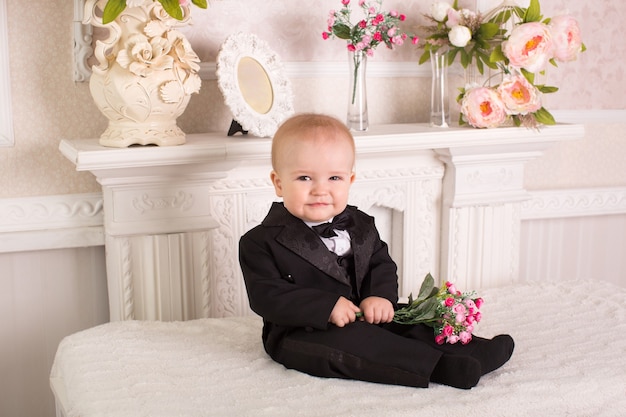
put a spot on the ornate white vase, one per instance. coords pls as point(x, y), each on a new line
point(145, 75)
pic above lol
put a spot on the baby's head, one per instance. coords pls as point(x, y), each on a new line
point(313, 160)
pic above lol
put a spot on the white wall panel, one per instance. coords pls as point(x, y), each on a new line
point(44, 296)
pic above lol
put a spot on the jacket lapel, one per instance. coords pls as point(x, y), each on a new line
point(304, 242)
point(362, 241)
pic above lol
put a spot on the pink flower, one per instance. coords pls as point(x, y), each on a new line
point(465, 337)
point(452, 339)
point(345, 2)
point(566, 37)
point(479, 302)
point(478, 316)
point(325, 35)
point(519, 96)
point(469, 303)
point(483, 107)
point(449, 302)
point(440, 339)
point(460, 318)
point(447, 330)
point(459, 309)
point(529, 46)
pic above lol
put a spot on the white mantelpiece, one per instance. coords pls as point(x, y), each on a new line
point(173, 216)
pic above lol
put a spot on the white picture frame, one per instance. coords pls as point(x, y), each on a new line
point(252, 80)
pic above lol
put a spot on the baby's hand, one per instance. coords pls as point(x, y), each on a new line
point(343, 313)
point(377, 310)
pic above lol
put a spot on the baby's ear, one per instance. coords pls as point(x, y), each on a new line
point(278, 188)
point(352, 177)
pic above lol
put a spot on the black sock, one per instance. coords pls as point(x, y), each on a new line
point(457, 371)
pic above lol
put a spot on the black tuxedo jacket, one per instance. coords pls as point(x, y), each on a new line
point(294, 281)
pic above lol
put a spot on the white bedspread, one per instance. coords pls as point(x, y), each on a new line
point(570, 359)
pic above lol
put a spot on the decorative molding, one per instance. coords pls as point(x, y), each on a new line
point(51, 222)
point(6, 117)
point(83, 48)
point(551, 204)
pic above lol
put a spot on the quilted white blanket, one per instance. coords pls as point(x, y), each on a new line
point(570, 359)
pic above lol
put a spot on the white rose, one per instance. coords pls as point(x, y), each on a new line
point(459, 36)
point(439, 10)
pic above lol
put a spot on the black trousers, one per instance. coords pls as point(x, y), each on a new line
point(389, 353)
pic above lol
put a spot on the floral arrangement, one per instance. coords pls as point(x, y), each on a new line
point(374, 28)
point(173, 7)
point(516, 55)
point(451, 313)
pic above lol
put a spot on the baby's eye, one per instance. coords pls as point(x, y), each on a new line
point(335, 178)
point(304, 178)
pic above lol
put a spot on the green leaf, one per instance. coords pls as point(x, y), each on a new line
point(427, 287)
point(497, 55)
point(112, 9)
point(546, 89)
point(543, 116)
point(172, 7)
point(533, 13)
point(488, 30)
point(342, 31)
point(530, 76)
point(425, 56)
point(200, 3)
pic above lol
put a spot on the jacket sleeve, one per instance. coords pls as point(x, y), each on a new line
point(275, 297)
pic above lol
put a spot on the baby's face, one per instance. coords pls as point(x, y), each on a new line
point(314, 178)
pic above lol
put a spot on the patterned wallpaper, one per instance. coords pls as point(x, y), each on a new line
point(48, 106)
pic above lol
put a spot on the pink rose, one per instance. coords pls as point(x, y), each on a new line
point(469, 303)
point(465, 337)
point(483, 107)
point(478, 302)
point(529, 46)
point(459, 309)
point(478, 316)
point(449, 302)
point(440, 339)
point(519, 96)
point(566, 37)
point(447, 330)
point(460, 318)
point(452, 339)
point(345, 2)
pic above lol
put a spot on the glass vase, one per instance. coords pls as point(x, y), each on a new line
point(357, 98)
point(439, 97)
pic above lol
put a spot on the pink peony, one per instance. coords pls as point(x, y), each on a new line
point(483, 107)
point(566, 37)
point(519, 95)
point(529, 46)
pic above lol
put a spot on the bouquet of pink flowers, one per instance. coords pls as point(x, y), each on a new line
point(450, 312)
